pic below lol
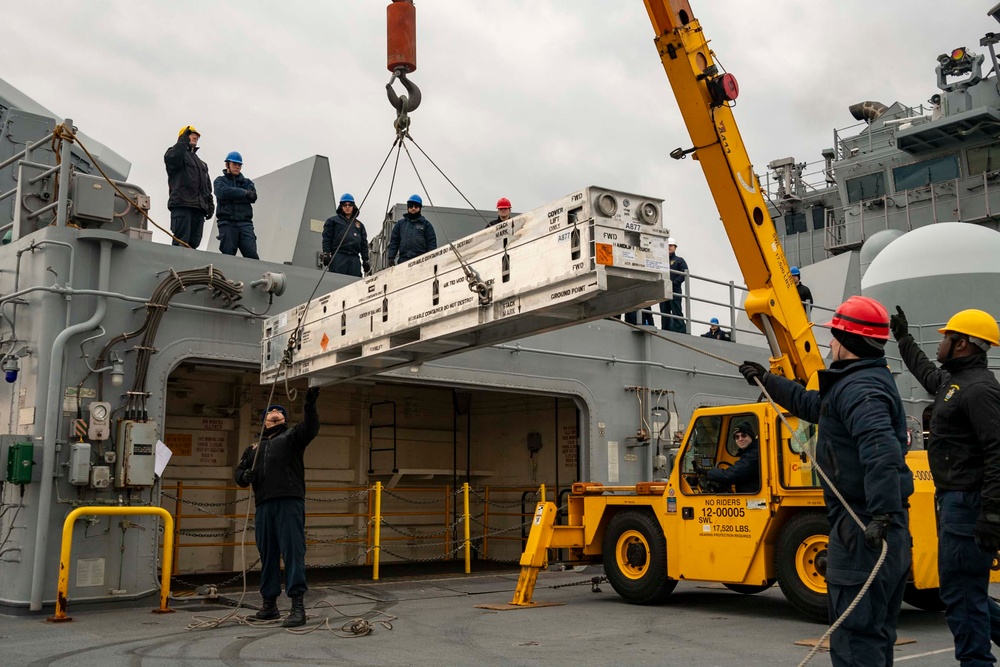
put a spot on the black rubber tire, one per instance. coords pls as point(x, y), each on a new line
point(749, 589)
point(800, 563)
point(926, 599)
point(635, 557)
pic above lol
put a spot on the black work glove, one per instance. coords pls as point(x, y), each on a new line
point(311, 395)
point(367, 268)
point(898, 324)
point(752, 370)
point(392, 262)
point(326, 257)
point(248, 477)
point(988, 533)
point(252, 195)
point(876, 529)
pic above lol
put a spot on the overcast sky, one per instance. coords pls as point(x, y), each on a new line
point(528, 99)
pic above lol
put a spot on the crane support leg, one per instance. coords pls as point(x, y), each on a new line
point(535, 555)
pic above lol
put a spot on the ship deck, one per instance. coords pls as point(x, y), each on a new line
point(435, 621)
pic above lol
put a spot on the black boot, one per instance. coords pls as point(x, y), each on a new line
point(269, 611)
point(297, 616)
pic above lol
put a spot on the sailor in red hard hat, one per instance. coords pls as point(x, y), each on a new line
point(861, 447)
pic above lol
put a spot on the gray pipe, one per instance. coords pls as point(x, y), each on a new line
point(53, 411)
point(62, 197)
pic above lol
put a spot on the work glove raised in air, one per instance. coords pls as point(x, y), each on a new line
point(987, 532)
point(751, 370)
point(898, 324)
point(311, 395)
point(876, 530)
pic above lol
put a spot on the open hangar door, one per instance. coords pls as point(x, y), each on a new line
point(422, 442)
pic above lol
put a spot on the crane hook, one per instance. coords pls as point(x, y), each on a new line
point(403, 103)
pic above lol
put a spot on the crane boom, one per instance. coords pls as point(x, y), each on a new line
point(702, 93)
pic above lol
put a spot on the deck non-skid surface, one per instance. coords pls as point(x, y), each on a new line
point(435, 622)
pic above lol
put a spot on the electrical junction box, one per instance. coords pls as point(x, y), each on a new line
point(592, 254)
point(136, 453)
point(79, 463)
point(20, 462)
point(100, 477)
point(93, 198)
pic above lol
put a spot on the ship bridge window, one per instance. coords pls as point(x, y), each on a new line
point(795, 222)
point(819, 217)
point(864, 187)
point(924, 173)
point(984, 159)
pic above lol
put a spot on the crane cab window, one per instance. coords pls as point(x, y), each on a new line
point(796, 468)
point(703, 445)
point(713, 446)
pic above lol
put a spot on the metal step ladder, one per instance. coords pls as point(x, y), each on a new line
point(373, 426)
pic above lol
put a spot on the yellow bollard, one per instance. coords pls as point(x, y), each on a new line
point(378, 529)
point(467, 520)
point(62, 590)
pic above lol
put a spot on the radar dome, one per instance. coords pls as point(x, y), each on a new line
point(876, 244)
point(935, 271)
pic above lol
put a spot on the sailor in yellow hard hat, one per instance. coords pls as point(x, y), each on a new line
point(964, 457)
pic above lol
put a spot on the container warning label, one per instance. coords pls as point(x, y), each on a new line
point(605, 254)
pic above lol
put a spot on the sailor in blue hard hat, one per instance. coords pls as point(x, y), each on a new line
point(345, 240)
point(805, 294)
point(714, 331)
point(412, 235)
point(236, 195)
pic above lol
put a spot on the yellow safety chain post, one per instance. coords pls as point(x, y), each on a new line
point(62, 590)
point(378, 529)
point(467, 520)
point(541, 493)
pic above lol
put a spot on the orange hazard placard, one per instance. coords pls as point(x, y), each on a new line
point(324, 342)
point(605, 254)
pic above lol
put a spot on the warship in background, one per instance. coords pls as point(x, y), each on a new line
point(868, 218)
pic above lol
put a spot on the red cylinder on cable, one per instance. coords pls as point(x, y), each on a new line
point(401, 24)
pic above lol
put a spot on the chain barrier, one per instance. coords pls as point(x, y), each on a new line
point(494, 503)
point(432, 501)
point(342, 499)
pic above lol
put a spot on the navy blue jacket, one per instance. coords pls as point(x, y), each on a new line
point(231, 192)
point(862, 434)
point(346, 238)
point(187, 179)
point(964, 451)
point(744, 474)
point(718, 334)
point(677, 268)
point(412, 236)
point(280, 471)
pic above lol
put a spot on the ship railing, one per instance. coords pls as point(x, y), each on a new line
point(23, 159)
point(962, 199)
point(714, 297)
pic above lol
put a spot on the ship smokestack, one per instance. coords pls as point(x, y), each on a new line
point(867, 111)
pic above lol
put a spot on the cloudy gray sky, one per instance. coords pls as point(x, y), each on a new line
point(528, 99)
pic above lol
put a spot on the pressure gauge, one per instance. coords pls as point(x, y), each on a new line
point(100, 418)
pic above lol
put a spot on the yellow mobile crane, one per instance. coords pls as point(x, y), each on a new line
point(654, 534)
